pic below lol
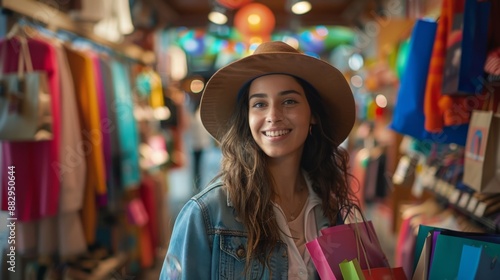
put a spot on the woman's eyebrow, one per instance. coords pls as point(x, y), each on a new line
point(263, 95)
point(257, 95)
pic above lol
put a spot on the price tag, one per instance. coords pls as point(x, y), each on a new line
point(480, 209)
point(449, 190)
point(401, 171)
point(429, 177)
point(455, 196)
point(472, 204)
point(440, 187)
point(464, 200)
point(417, 188)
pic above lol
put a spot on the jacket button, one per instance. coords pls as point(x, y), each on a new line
point(240, 252)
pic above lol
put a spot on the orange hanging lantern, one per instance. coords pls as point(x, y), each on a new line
point(254, 19)
point(233, 4)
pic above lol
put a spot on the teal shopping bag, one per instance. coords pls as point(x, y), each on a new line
point(423, 232)
point(448, 252)
point(475, 264)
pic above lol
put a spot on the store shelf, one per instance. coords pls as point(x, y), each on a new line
point(58, 20)
point(110, 268)
point(462, 207)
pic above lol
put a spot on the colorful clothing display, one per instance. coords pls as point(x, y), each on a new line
point(35, 163)
point(127, 128)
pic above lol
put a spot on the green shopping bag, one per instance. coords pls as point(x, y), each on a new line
point(351, 270)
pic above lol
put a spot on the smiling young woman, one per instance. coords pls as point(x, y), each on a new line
point(279, 116)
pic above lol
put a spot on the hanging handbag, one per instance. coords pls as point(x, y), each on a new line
point(25, 102)
point(466, 49)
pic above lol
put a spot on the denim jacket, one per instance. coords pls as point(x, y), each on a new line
point(209, 242)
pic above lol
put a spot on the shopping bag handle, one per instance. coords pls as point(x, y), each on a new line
point(350, 208)
point(359, 243)
point(24, 57)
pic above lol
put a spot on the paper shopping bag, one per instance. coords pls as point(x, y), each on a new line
point(319, 251)
point(421, 270)
point(350, 241)
point(475, 264)
point(482, 154)
point(385, 273)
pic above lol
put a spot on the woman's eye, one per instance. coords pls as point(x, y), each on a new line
point(289, 102)
point(258, 105)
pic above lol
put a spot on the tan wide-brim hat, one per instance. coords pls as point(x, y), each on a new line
point(221, 91)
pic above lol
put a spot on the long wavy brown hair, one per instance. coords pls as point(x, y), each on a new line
point(245, 174)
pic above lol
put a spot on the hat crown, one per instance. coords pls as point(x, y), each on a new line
point(273, 47)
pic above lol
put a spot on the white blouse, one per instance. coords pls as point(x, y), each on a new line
point(300, 265)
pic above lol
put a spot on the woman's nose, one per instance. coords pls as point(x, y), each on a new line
point(275, 114)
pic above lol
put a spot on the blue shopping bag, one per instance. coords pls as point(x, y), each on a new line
point(408, 115)
point(476, 264)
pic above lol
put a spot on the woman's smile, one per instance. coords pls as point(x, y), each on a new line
point(276, 133)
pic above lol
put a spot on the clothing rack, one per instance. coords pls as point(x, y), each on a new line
point(57, 20)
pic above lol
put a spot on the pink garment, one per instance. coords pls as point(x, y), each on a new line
point(37, 176)
point(105, 123)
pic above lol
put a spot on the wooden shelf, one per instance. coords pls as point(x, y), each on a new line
point(54, 19)
point(110, 268)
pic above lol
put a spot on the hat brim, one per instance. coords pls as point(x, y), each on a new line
point(220, 94)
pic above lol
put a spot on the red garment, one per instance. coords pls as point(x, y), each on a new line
point(147, 192)
point(36, 173)
point(146, 251)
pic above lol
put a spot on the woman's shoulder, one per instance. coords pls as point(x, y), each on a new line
point(212, 194)
point(217, 209)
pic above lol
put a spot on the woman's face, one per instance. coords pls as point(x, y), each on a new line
point(279, 115)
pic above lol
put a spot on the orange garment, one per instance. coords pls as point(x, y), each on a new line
point(81, 69)
point(444, 110)
point(156, 97)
